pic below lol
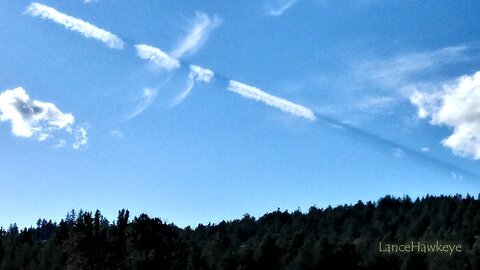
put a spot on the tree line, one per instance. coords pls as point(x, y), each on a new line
point(342, 237)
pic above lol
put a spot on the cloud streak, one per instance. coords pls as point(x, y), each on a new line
point(197, 35)
point(280, 103)
point(278, 7)
point(457, 107)
point(148, 96)
point(157, 57)
point(73, 24)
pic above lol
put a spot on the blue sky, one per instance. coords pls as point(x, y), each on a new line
point(198, 112)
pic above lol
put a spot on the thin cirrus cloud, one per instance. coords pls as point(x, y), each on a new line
point(147, 98)
point(455, 106)
point(278, 7)
point(36, 119)
point(280, 103)
point(86, 29)
point(197, 35)
point(197, 73)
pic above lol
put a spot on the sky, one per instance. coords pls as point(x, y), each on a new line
point(199, 112)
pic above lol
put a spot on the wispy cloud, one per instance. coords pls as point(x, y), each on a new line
point(147, 98)
point(198, 33)
point(457, 107)
point(278, 7)
point(280, 103)
point(373, 104)
point(197, 73)
point(32, 118)
point(400, 72)
point(157, 57)
point(86, 29)
point(425, 149)
point(116, 133)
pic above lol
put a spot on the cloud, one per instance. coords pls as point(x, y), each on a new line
point(373, 104)
point(425, 149)
point(61, 143)
point(278, 7)
point(201, 74)
point(157, 57)
point(456, 176)
point(197, 35)
point(456, 106)
point(81, 138)
point(196, 74)
point(116, 134)
point(86, 29)
point(280, 103)
point(400, 72)
point(148, 96)
point(398, 153)
point(31, 118)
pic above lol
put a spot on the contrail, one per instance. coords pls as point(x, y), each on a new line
point(280, 103)
point(86, 29)
point(157, 57)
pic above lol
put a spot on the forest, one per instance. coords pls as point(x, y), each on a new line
point(341, 237)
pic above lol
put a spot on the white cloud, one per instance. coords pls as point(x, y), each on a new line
point(456, 176)
point(425, 149)
point(86, 29)
point(31, 118)
point(373, 104)
point(457, 107)
point(196, 74)
point(116, 133)
point(400, 72)
point(280, 103)
point(61, 143)
point(157, 57)
point(148, 96)
point(398, 153)
point(81, 138)
point(278, 7)
point(197, 34)
point(201, 74)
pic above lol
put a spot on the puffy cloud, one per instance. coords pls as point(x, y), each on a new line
point(31, 118)
point(36, 119)
point(86, 29)
point(280, 103)
point(201, 74)
point(198, 33)
point(157, 57)
point(457, 107)
point(81, 138)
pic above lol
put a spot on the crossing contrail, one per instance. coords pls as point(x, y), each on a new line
point(73, 24)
